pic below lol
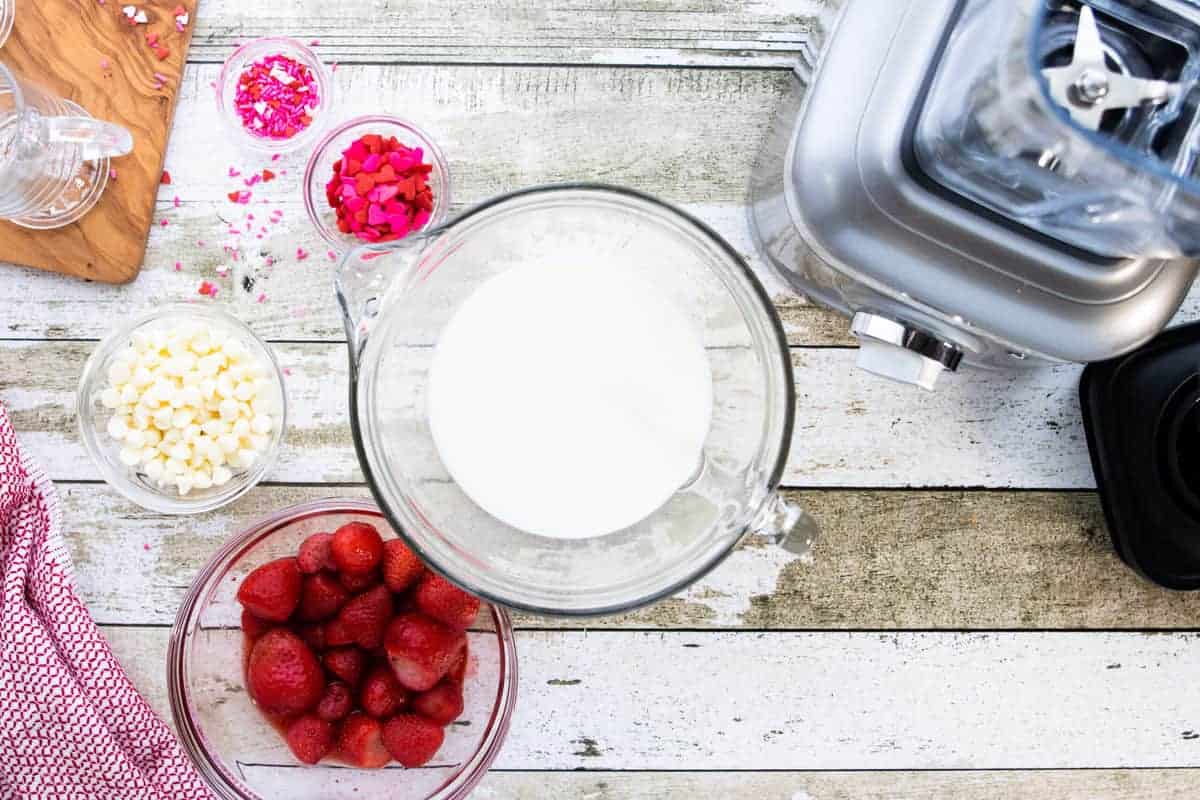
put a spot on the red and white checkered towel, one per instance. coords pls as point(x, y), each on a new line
point(71, 723)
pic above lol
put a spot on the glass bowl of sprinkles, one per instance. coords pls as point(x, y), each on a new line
point(375, 179)
point(274, 94)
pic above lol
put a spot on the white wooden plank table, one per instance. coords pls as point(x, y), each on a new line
point(964, 630)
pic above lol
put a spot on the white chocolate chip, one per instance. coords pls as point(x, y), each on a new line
point(162, 418)
point(154, 468)
point(229, 409)
point(118, 427)
point(119, 373)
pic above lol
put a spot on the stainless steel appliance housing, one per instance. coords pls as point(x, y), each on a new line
point(843, 211)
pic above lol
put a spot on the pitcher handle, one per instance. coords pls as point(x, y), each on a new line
point(95, 138)
point(787, 525)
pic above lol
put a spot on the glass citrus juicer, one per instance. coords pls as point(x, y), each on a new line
point(570, 400)
point(54, 157)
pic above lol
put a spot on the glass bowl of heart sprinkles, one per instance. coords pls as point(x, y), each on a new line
point(375, 179)
point(274, 94)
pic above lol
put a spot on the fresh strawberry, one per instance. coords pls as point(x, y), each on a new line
point(283, 676)
point(421, 650)
point(458, 670)
point(272, 591)
point(254, 627)
point(313, 636)
point(361, 742)
point(315, 554)
point(336, 703)
point(412, 740)
point(364, 618)
point(357, 547)
point(381, 695)
point(445, 602)
point(321, 596)
point(358, 582)
point(346, 663)
point(443, 703)
point(310, 737)
point(337, 634)
point(401, 567)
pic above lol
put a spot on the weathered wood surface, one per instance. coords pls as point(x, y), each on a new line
point(544, 125)
point(776, 677)
point(802, 701)
point(755, 33)
point(887, 560)
point(1145, 784)
point(993, 429)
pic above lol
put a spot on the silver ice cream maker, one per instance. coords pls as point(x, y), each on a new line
point(995, 182)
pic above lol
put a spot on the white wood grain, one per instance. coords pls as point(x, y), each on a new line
point(885, 560)
point(757, 33)
point(542, 125)
point(1144, 784)
point(803, 701)
point(994, 429)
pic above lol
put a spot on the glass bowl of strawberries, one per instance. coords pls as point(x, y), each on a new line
point(316, 657)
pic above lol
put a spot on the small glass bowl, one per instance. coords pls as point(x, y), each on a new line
point(93, 417)
point(329, 150)
point(256, 50)
point(238, 751)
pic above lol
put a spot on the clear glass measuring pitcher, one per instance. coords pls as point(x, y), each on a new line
point(399, 301)
point(53, 156)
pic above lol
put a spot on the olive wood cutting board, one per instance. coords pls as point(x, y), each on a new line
point(64, 45)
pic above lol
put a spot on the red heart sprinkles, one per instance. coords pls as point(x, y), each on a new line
point(380, 189)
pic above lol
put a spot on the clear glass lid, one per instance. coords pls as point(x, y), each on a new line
point(572, 400)
point(1076, 119)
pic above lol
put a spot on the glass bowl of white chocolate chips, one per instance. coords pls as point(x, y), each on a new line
point(183, 410)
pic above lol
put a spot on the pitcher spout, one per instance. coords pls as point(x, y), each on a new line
point(363, 279)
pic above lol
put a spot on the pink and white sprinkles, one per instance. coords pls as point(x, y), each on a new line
point(276, 96)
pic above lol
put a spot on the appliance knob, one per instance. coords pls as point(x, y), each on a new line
point(900, 352)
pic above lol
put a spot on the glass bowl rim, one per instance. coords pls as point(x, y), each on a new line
point(90, 434)
point(433, 151)
point(192, 737)
point(324, 80)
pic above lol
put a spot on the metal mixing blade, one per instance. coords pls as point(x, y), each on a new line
point(1087, 87)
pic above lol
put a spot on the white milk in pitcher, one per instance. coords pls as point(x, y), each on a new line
point(570, 400)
